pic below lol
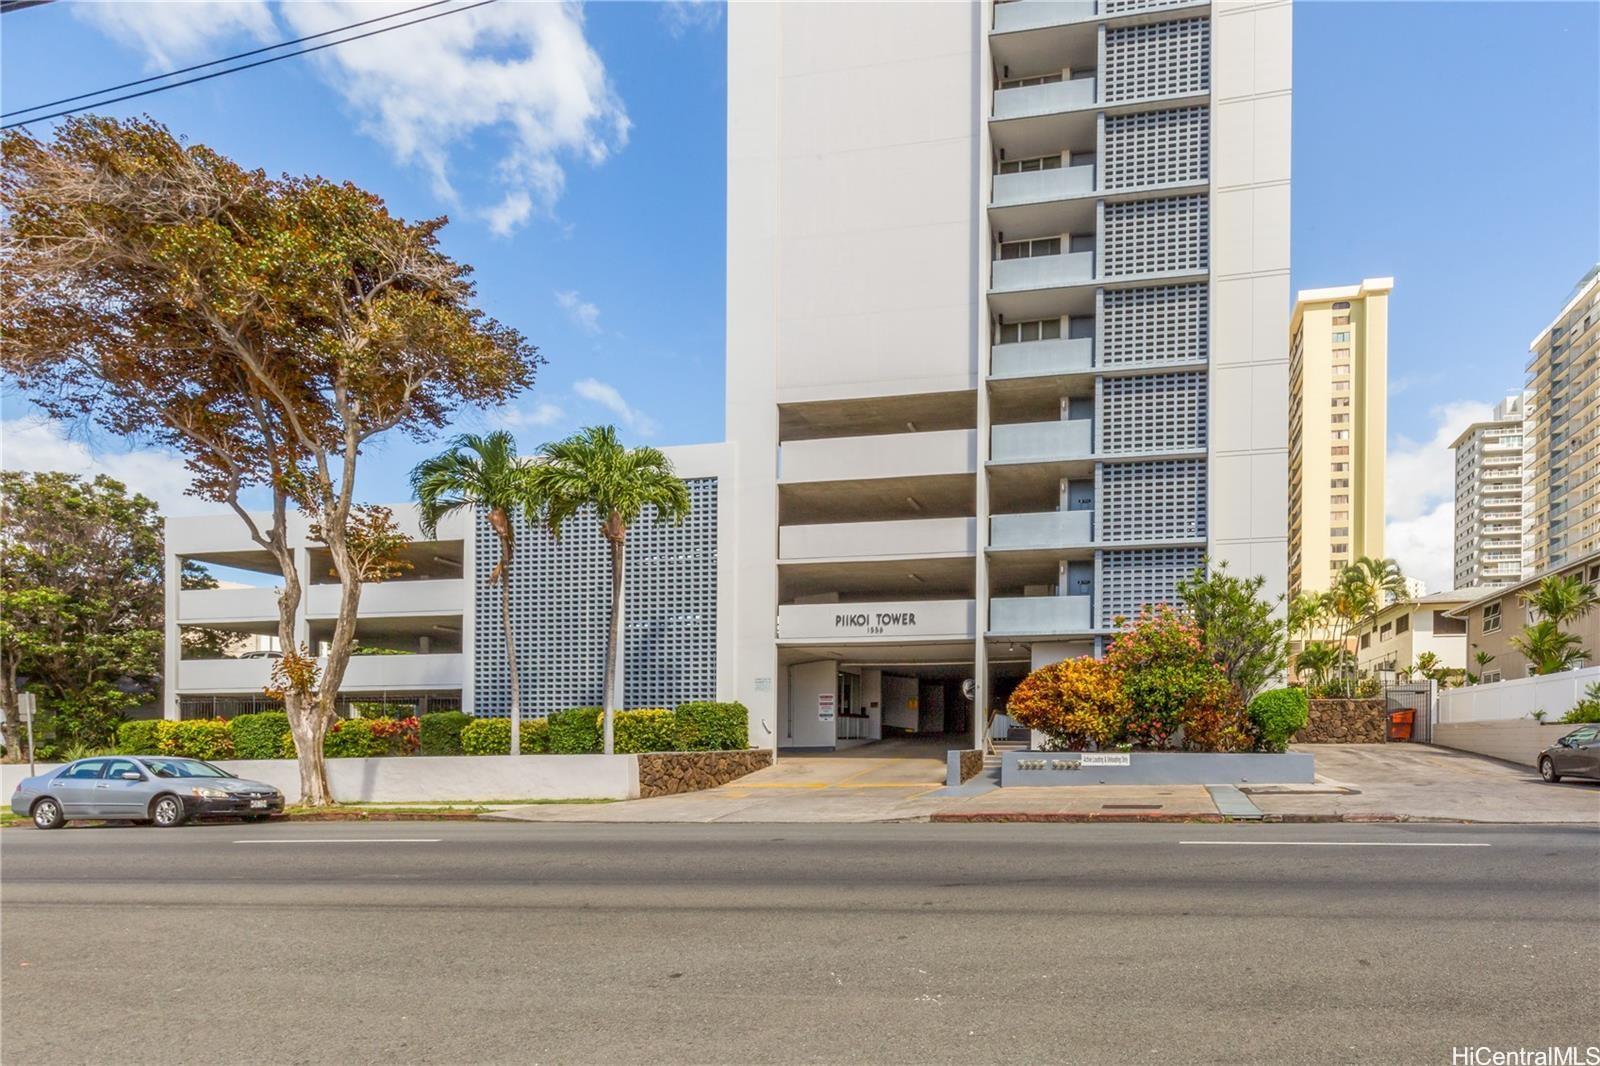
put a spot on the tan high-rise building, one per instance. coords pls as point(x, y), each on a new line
point(1561, 442)
point(1338, 421)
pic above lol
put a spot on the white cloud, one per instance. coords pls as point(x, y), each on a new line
point(540, 415)
point(681, 16)
point(518, 79)
point(1419, 496)
point(609, 398)
point(583, 313)
point(172, 31)
point(42, 444)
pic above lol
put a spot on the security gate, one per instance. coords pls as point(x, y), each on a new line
point(1417, 697)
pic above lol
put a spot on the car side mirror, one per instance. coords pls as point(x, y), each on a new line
point(131, 775)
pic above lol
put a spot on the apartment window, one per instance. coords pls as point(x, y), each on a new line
point(1341, 320)
point(1339, 468)
point(1340, 564)
point(1341, 368)
point(1402, 624)
point(1338, 516)
point(1491, 676)
point(1030, 249)
point(1038, 79)
point(1339, 449)
point(1342, 305)
point(1046, 329)
point(1491, 618)
point(1338, 500)
point(1339, 401)
point(1027, 166)
point(1342, 337)
point(1341, 434)
point(1339, 531)
point(1341, 386)
point(1366, 640)
point(1340, 420)
point(1385, 631)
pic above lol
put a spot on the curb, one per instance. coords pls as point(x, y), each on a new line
point(1120, 816)
point(379, 816)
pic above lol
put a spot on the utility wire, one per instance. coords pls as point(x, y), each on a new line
point(245, 66)
point(224, 59)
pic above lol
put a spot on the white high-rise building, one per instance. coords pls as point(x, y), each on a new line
point(1008, 302)
point(1489, 498)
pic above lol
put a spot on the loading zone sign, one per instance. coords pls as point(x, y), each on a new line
point(825, 701)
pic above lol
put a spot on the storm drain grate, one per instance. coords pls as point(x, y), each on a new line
point(1130, 806)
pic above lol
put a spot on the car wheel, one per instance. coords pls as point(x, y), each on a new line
point(167, 812)
point(1547, 769)
point(47, 814)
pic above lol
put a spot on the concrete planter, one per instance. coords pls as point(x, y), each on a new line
point(1154, 768)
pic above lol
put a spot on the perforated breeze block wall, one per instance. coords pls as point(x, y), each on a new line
point(560, 610)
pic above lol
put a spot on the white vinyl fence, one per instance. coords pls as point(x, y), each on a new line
point(1554, 694)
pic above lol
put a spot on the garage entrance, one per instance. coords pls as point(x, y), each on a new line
point(833, 704)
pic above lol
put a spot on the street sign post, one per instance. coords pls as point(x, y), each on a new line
point(26, 702)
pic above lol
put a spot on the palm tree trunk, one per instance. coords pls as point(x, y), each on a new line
point(511, 663)
point(614, 649)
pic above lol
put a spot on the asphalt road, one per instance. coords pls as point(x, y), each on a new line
point(465, 943)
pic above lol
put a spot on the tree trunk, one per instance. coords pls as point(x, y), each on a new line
point(511, 662)
point(308, 724)
point(11, 731)
point(614, 648)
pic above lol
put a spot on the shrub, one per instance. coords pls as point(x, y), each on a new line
point(1277, 715)
point(707, 725)
point(492, 736)
point(374, 709)
point(646, 730)
point(394, 736)
point(574, 732)
point(203, 738)
point(138, 738)
point(352, 738)
point(440, 733)
point(1076, 702)
point(1174, 689)
point(258, 736)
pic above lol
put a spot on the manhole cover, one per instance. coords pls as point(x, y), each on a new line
point(1130, 806)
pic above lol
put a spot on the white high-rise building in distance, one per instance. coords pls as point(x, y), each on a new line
point(1008, 302)
point(1489, 498)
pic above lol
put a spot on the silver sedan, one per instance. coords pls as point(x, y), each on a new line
point(141, 788)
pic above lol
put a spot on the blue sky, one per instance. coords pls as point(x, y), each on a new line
point(580, 155)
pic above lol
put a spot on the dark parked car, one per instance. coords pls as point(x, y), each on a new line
point(1575, 755)
point(140, 788)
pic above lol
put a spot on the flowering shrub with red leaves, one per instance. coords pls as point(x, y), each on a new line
point(1172, 685)
point(1076, 702)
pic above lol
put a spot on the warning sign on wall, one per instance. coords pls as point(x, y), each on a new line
point(825, 704)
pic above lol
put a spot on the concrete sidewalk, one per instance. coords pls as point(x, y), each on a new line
point(903, 781)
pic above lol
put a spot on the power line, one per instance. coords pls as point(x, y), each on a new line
point(235, 70)
point(214, 62)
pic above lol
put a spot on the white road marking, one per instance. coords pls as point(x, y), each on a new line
point(347, 840)
point(1335, 844)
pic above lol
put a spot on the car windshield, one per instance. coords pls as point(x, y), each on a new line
point(184, 768)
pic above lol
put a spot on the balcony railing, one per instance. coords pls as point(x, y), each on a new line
point(1052, 529)
point(210, 606)
point(1040, 615)
point(1041, 441)
point(896, 620)
point(1035, 358)
point(1042, 272)
point(367, 673)
point(1027, 100)
point(1034, 14)
point(1042, 186)
point(436, 596)
point(866, 540)
point(951, 451)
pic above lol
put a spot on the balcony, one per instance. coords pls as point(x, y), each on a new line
point(436, 596)
point(1051, 529)
point(1025, 101)
point(1042, 358)
point(1040, 615)
point(370, 673)
point(1042, 272)
point(1042, 186)
point(211, 606)
point(1017, 15)
point(897, 620)
point(1041, 441)
point(888, 455)
point(873, 540)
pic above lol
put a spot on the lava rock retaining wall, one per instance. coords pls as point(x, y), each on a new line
point(672, 772)
point(1344, 722)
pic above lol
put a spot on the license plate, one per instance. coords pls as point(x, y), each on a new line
point(258, 803)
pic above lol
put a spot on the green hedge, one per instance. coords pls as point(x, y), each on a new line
point(492, 736)
point(138, 738)
point(1277, 715)
point(440, 733)
point(259, 736)
point(203, 738)
point(575, 732)
point(352, 738)
point(645, 730)
point(712, 726)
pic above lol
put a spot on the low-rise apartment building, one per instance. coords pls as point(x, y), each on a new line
point(1500, 614)
point(1413, 627)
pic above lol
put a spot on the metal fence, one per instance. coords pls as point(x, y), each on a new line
point(350, 705)
point(1417, 697)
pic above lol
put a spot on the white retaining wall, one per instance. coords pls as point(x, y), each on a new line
point(1519, 741)
point(1555, 694)
point(435, 779)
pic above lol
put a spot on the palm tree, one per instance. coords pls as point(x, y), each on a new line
point(1317, 659)
point(1366, 587)
point(1548, 649)
point(1563, 599)
point(591, 468)
point(481, 472)
point(1483, 659)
